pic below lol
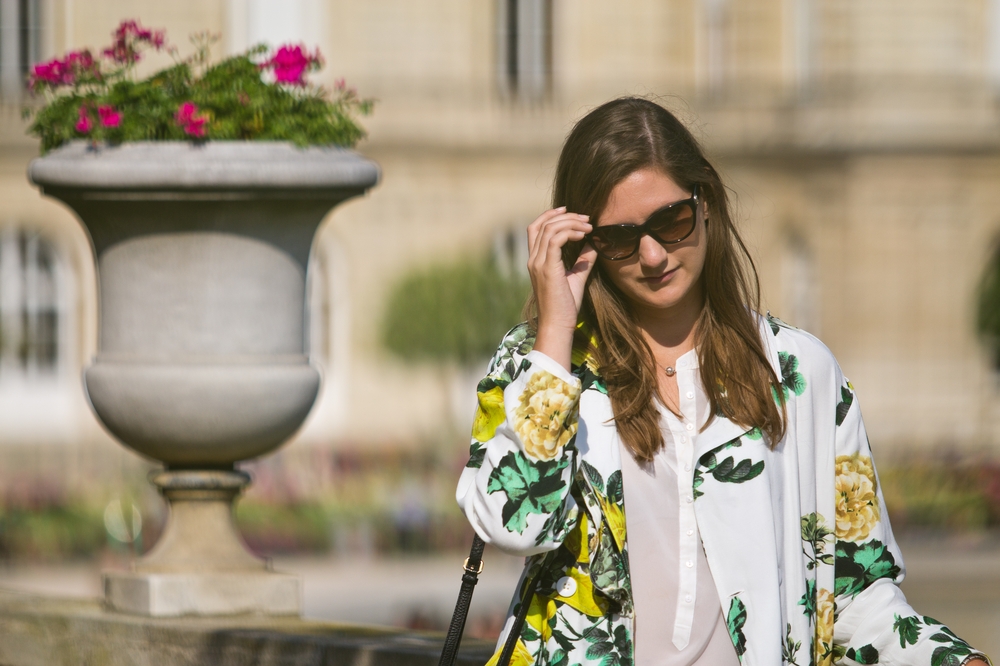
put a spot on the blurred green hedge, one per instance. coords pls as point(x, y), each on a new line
point(453, 312)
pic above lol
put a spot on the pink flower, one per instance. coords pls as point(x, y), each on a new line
point(76, 67)
point(290, 64)
point(109, 116)
point(84, 124)
point(129, 37)
point(190, 120)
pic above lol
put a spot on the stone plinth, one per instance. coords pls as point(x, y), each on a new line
point(42, 631)
point(202, 255)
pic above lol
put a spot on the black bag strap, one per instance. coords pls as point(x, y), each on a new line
point(473, 567)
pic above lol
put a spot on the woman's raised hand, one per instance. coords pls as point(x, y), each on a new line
point(558, 291)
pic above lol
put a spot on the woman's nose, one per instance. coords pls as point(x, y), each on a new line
point(651, 252)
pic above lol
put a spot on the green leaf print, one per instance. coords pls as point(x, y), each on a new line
point(612, 649)
point(844, 406)
point(556, 527)
point(595, 478)
point(953, 652)
point(808, 600)
point(859, 565)
point(531, 487)
point(792, 380)
point(866, 654)
point(949, 655)
point(908, 629)
point(519, 340)
point(609, 568)
point(790, 648)
point(735, 620)
point(477, 453)
point(726, 471)
point(815, 533)
point(614, 489)
point(590, 379)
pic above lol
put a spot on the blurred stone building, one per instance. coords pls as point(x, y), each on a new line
point(861, 140)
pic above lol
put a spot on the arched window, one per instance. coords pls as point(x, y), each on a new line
point(32, 306)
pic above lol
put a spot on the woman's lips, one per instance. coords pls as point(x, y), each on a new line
point(659, 279)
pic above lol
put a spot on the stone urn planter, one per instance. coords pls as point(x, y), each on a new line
point(202, 253)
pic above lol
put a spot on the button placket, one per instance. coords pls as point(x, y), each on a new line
point(688, 539)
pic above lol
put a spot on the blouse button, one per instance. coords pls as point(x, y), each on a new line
point(684, 439)
point(690, 532)
point(689, 564)
point(689, 499)
point(690, 426)
point(566, 586)
point(687, 468)
point(690, 395)
point(688, 598)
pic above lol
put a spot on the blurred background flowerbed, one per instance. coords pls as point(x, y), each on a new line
point(401, 504)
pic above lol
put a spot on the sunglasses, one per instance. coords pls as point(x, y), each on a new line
point(668, 225)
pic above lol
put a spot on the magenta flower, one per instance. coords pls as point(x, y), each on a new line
point(188, 118)
point(76, 67)
point(290, 64)
point(109, 116)
point(84, 124)
point(129, 37)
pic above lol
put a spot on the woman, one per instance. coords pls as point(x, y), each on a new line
point(755, 531)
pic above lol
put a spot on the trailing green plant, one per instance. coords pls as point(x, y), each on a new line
point(453, 312)
point(254, 96)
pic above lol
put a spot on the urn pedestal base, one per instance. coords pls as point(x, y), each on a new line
point(200, 565)
point(177, 594)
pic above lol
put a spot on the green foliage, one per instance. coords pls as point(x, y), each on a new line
point(284, 528)
point(231, 101)
point(453, 312)
point(50, 533)
point(988, 307)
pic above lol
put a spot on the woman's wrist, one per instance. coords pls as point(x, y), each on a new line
point(556, 342)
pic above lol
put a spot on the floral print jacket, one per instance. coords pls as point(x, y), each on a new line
point(800, 547)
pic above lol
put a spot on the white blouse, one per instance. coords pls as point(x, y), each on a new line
point(678, 615)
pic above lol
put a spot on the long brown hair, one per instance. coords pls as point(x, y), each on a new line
point(607, 145)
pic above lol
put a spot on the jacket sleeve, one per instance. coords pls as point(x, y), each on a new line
point(515, 489)
point(874, 623)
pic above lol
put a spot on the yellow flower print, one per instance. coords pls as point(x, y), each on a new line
point(521, 656)
point(545, 419)
point(616, 520)
point(583, 598)
point(489, 414)
point(857, 504)
point(824, 627)
point(541, 610)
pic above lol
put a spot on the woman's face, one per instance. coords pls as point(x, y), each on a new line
point(658, 277)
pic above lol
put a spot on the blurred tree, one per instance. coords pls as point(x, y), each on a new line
point(988, 310)
point(454, 312)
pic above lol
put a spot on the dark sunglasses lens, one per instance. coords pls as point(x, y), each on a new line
point(615, 242)
point(672, 224)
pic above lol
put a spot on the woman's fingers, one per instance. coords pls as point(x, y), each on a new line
point(541, 220)
point(548, 237)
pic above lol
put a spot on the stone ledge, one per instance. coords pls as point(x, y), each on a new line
point(46, 631)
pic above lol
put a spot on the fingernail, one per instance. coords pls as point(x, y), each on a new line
point(561, 208)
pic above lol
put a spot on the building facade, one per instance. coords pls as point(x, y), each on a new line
point(861, 141)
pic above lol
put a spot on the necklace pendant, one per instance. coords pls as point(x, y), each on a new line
point(670, 371)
